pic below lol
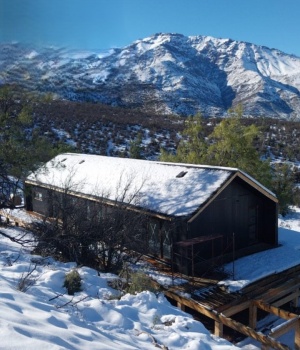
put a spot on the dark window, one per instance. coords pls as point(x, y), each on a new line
point(38, 196)
point(181, 174)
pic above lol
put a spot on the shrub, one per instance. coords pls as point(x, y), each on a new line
point(72, 282)
point(139, 282)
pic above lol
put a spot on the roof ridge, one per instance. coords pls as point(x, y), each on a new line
point(188, 165)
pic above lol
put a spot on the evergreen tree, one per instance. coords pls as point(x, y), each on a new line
point(232, 145)
point(283, 184)
point(192, 148)
point(22, 148)
point(135, 149)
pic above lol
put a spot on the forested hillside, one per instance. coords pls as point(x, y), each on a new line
point(101, 129)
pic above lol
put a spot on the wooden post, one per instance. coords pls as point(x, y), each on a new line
point(252, 316)
point(180, 306)
point(218, 329)
point(297, 336)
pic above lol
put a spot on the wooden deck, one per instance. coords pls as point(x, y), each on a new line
point(267, 294)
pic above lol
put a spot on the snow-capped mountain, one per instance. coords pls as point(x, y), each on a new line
point(166, 73)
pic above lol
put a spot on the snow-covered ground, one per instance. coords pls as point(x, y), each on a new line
point(45, 317)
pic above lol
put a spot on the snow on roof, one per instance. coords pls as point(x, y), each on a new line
point(166, 188)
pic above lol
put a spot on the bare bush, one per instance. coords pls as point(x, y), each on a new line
point(27, 279)
point(96, 233)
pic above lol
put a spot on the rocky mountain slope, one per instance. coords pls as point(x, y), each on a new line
point(165, 73)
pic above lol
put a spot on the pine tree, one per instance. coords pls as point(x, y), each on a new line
point(283, 184)
point(192, 147)
point(22, 149)
point(232, 145)
point(135, 149)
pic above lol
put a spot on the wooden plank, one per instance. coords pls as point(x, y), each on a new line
point(276, 279)
point(274, 310)
point(270, 289)
point(291, 297)
point(288, 273)
point(281, 291)
point(284, 327)
point(264, 339)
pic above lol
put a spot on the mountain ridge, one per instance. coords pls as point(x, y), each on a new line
point(166, 73)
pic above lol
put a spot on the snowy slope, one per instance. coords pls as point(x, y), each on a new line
point(42, 318)
point(168, 73)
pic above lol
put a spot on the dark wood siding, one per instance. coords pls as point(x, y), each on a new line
point(41, 200)
point(239, 211)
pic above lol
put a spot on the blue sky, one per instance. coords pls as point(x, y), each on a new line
point(102, 24)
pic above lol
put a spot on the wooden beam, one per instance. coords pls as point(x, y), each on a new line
point(274, 310)
point(284, 327)
point(264, 339)
point(232, 310)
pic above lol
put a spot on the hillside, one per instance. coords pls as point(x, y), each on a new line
point(37, 312)
point(164, 73)
point(100, 129)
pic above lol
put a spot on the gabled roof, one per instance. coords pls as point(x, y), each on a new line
point(169, 189)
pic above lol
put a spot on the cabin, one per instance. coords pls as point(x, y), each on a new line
point(197, 216)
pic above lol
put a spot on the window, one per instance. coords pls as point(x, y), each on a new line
point(38, 196)
point(181, 174)
point(153, 238)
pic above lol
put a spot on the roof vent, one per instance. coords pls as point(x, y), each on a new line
point(82, 161)
point(181, 174)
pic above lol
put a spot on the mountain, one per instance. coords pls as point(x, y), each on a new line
point(165, 73)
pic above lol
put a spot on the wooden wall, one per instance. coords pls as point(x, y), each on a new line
point(240, 213)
